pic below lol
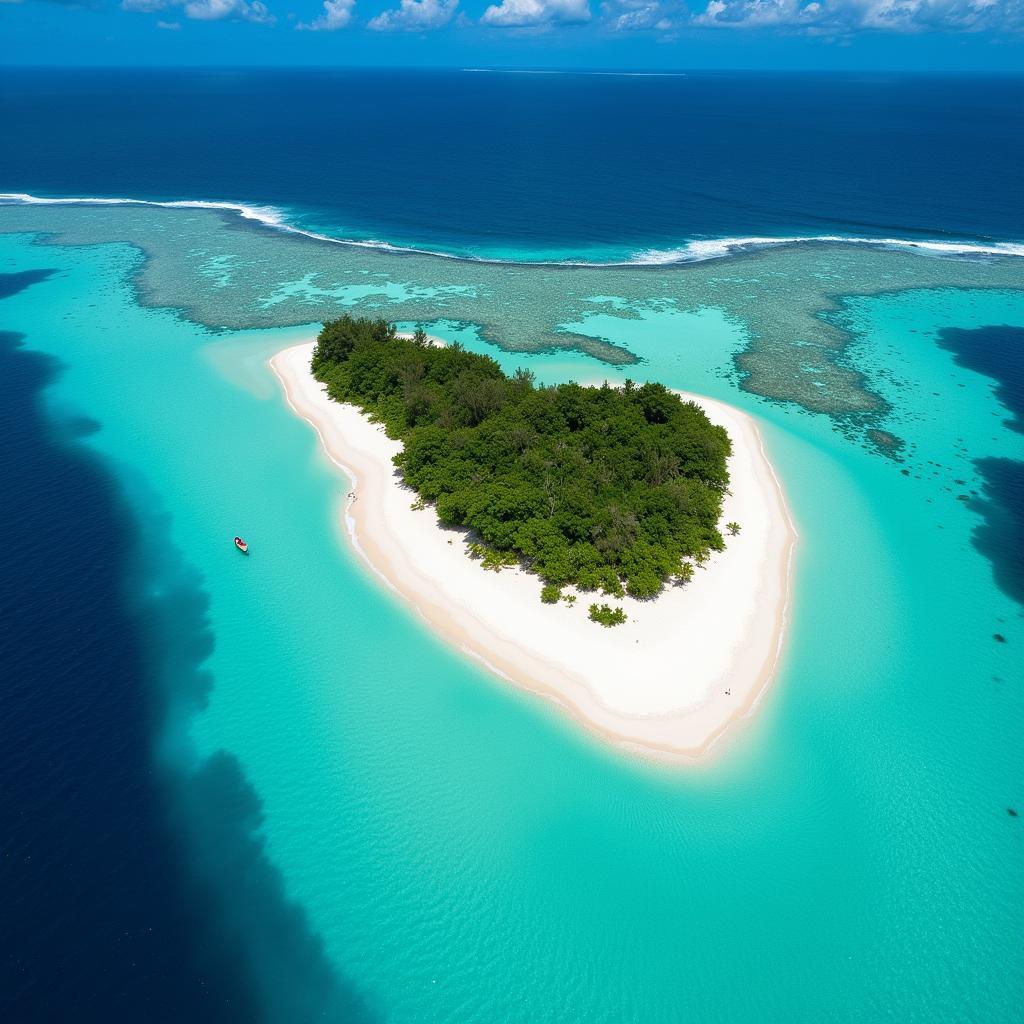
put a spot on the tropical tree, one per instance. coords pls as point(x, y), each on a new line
point(599, 488)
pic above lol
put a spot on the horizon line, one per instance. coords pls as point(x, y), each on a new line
point(610, 70)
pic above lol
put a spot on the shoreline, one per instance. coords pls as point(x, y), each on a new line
point(639, 686)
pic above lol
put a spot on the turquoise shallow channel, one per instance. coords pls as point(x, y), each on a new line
point(463, 852)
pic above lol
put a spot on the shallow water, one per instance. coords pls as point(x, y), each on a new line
point(465, 854)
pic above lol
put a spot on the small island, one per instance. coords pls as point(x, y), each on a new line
point(599, 512)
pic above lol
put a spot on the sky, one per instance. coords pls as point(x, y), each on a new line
point(889, 35)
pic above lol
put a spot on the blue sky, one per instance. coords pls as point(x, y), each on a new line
point(666, 34)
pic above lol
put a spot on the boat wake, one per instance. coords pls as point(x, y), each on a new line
point(696, 251)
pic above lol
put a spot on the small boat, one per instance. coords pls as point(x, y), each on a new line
point(241, 545)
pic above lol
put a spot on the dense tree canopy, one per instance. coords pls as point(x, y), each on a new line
point(601, 488)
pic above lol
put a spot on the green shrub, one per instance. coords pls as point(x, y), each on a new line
point(550, 593)
point(607, 615)
point(491, 558)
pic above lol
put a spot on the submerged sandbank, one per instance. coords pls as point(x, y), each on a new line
point(670, 680)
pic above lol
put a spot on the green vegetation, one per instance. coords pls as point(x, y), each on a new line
point(607, 615)
point(733, 528)
point(492, 558)
point(550, 593)
point(600, 488)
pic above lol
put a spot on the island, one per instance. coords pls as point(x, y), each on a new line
point(569, 537)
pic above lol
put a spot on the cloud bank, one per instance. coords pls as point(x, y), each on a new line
point(636, 15)
point(207, 10)
point(239, 10)
point(532, 13)
point(415, 16)
point(849, 16)
point(337, 14)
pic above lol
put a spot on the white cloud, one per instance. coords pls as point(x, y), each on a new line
point(640, 15)
point(415, 16)
point(337, 14)
point(169, 26)
point(522, 13)
point(847, 16)
point(234, 10)
point(206, 10)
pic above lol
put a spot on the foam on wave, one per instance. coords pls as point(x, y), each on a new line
point(716, 248)
point(696, 251)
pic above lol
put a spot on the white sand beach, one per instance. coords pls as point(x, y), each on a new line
point(670, 681)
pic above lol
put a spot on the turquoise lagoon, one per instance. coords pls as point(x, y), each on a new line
point(463, 853)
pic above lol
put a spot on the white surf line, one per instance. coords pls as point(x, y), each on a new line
point(697, 251)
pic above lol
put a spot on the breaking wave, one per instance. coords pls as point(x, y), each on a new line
point(696, 251)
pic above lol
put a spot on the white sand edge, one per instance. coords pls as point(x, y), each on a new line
point(668, 682)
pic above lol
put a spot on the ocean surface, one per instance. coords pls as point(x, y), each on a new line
point(260, 790)
point(536, 166)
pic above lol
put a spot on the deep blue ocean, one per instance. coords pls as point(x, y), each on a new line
point(573, 165)
point(108, 911)
point(124, 885)
point(85, 820)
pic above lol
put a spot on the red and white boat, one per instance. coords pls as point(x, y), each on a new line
point(241, 545)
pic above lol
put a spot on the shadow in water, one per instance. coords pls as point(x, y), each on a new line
point(998, 352)
point(213, 804)
point(11, 284)
point(133, 878)
point(1000, 537)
